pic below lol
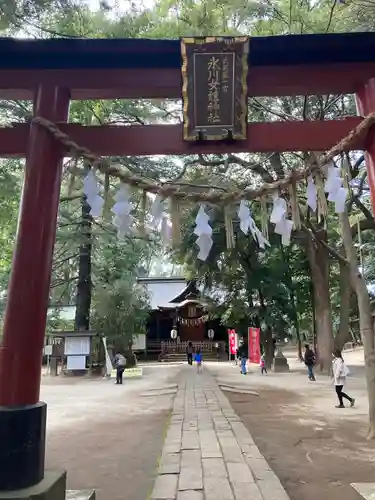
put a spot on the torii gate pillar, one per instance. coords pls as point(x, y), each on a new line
point(365, 98)
point(22, 416)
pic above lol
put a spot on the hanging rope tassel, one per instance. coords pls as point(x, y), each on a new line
point(228, 223)
point(175, 210)
point(322, 200)
point(296, 216)
point(142, 214)
point(106, 196)
point(72, 180)
point(345, 171)
point(264, 216)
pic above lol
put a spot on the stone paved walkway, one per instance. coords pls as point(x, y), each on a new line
point(208, 452)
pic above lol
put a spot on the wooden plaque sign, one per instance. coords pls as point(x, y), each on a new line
point(214, 77)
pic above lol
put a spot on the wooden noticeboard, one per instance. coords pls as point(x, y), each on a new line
point(214, 77)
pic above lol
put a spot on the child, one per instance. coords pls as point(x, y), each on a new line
point(262, 365)
point(198, 360)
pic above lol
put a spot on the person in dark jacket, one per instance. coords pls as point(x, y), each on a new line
point(189, 353)
point(120, 363)
point(309, 359)
point(243, 352)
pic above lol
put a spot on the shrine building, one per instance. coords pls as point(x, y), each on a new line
point(179, 308)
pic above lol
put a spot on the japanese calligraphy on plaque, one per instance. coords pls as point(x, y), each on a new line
point(214, 77)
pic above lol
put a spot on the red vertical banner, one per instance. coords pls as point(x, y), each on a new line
point(254, 345)
point(233, 343)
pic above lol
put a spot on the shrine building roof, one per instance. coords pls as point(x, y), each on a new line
point(162, 290)
point(176, 292)
point(73, 53)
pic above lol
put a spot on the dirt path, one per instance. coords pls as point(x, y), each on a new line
point(108, 437)
point(117, 457)
point(313, 457)
point(315, 449)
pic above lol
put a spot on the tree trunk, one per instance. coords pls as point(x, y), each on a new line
point(84, 285)
point(130, 358)
point(313, 311)
point(299, 348)
point(343, 334)
point(293, 302)
point(269, 348)
point(365, 318)
point(319, 265)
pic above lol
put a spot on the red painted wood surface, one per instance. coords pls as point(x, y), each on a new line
point(137, 140)
point(365, 98)
point(166, 83)
point(25, 315)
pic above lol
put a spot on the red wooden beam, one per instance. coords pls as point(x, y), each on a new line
point(137, 140)
point(166, 83)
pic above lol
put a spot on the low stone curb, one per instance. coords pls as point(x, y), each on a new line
point(237, 389)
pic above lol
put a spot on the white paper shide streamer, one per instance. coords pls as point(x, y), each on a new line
point(157, 212)
point(204, 232)
point(123, 219)
point(160, 221)
point(334, 187)
point(122, 209)
point(91, 190)
point(166, 230)
point(247, 223)
point(283, 226)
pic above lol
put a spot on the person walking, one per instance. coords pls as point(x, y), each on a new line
point(309, 359)
point(243, 352)
point(120, 363)
point(262, 365)
point(189, 353)
point(198, 359)
point(236, 357)
point(339, 373)
point(217, 349)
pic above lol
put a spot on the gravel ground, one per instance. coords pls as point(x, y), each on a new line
point(108, 437)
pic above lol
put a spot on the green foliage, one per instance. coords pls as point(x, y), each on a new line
point(11, 176)
point(121, 311)
point(56, 322)
point(251, 286)
point(24, 14)
point(120, 307)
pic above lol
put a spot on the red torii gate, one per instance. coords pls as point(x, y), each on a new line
point(51, 73)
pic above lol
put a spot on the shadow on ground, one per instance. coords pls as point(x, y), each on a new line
point(314, 457)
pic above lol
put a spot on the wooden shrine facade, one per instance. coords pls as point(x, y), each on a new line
point(178, 305)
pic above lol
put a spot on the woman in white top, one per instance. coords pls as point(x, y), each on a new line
point(340, 372)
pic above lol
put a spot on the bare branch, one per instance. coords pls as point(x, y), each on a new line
point(366, 212)
point(310, 230)
point(331, 15)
